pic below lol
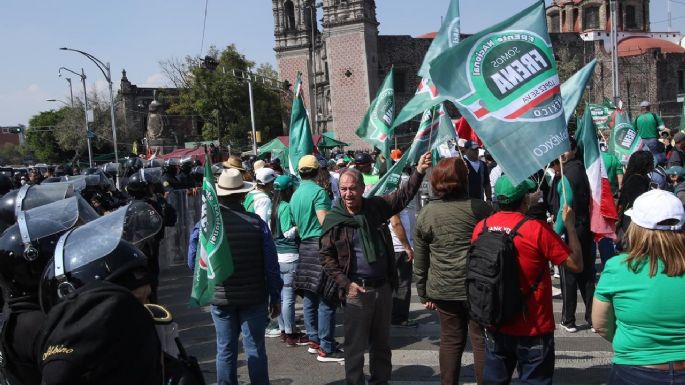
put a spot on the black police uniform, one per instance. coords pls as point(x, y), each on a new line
point(20, 343)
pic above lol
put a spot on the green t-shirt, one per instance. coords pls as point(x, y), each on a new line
point(647, 126)
point(614, 169)
point(305, 202)
point(650, 316)
point(285, 223)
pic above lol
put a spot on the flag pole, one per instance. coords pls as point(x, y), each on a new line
point(563, 186)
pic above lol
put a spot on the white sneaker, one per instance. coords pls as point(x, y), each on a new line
point(556, 292)
point(272, 333)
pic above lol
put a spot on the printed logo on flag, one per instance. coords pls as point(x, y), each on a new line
point(513, 77)
point(383, 114)
point(453, 32)
point(625, 136)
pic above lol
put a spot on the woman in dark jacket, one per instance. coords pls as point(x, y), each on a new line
point(635, 183)
point(441, 241)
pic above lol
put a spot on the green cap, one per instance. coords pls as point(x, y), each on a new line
point(283, 182)
point(676, 170)
point(506, 192)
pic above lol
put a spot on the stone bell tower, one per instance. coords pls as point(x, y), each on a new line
point(294, 27)
point(351, 34)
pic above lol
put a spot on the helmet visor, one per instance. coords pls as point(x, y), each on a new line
point(43, 194)
point(52, 218)
point(135, 223)
point(151, 175)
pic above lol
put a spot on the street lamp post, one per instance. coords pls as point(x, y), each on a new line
point(105, 69)
point(71, 92)
point(58, 101)
point(82, 75)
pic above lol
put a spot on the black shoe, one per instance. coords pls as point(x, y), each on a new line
point(406, 324)
point(571, 328)
point(336, 356)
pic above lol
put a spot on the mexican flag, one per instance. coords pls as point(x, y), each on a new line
point(427, 95)
point(436, 128)
point(504, 81)
point(375, 127)
point(300, 141)
point(603, 213)
point(215, 262)
point(624, 140)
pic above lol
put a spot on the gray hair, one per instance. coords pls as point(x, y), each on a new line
point(356, 174)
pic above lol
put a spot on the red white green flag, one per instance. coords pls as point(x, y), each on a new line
point(603, 213)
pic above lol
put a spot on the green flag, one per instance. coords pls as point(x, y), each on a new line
point(504, 81)
point(574, 88)
point(215, 262)
point(624, 140)
point(435, 129)
point(300, 141)
point(448, 36)
point(375, 127)
point(427, 95)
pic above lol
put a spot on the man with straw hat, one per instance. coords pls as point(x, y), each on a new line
point(240, 302)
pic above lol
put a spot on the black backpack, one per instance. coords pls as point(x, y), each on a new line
point(492, 278)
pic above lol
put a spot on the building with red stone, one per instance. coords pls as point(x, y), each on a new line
point(344, 59)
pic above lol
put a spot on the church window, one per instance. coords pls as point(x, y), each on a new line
point(631, 19)
point(591, 18)
point(554, 21)
point(289, 9)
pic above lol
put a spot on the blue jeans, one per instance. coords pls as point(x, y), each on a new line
point(229, 321)
point(637, 375)
point(286, 320)
point(533, 357)
point(319, 320)
point(606, 250)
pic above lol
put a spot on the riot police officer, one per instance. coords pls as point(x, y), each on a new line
point(25, 249)
point(169, 175)
point(101, 285)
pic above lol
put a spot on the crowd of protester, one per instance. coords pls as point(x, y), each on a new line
point(319, 234)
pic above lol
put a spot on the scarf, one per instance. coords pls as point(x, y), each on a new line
point(373, 245)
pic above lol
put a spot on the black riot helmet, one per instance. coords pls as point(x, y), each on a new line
point(115, 257)
point(112, 170)
point(137, 187)
point(28, 197)
point(170, 167)
point(186, 165)
point(132, 165)
point(27, 246)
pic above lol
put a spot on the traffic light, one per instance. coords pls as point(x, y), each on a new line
point(18, 129)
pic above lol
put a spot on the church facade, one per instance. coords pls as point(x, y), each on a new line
point(344, 60)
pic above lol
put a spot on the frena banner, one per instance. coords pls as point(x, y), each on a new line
point(624, 140)
point(504, 81)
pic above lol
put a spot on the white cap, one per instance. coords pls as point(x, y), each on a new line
point(258, 164)
point(265, 175)
point(655, 207)
point(645, 104)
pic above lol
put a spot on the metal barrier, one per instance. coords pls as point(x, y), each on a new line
point(174, 247)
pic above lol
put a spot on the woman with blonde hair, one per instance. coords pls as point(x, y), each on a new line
point(638, 301)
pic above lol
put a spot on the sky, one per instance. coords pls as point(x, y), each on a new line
point(136, 35)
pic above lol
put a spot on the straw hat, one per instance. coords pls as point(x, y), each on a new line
point(231, 182)
point(234, 162)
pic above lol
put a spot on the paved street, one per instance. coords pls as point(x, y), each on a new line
point(582, 358)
